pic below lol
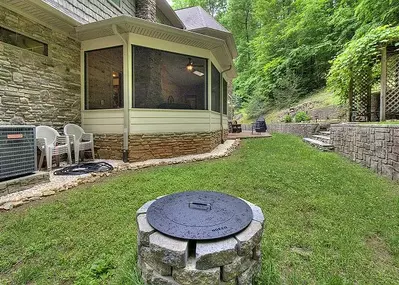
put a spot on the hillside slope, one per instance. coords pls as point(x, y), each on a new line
point(321, 105)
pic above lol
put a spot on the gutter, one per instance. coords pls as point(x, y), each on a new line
point(125, 151)
point(221, 102)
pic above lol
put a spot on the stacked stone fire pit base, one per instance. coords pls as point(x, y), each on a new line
point(165, 260)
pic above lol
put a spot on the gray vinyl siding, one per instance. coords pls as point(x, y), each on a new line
point(161, 18)
point(87, 11)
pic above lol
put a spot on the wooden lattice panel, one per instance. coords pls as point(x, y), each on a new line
point(361, 91)
point(392, 93)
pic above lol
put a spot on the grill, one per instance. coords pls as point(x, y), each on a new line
point(260, 125)
point(199, 215)
point(17, 151)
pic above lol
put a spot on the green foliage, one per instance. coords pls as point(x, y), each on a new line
point(302, 117)
point(100, 270)
point(359, 56)
point(287, 119)
point(286, 47)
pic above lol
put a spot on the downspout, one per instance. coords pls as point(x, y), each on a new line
point(125, 151)
point(221, 103)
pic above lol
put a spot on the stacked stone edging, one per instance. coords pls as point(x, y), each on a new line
point(11, 201)
point(373, 146)
point(22, 183)
point(298, 129)
point(230, 261)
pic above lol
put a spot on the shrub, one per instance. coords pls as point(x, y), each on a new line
point(287, 119)
point(302, 117)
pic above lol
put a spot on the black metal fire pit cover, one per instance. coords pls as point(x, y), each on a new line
point(199, 215)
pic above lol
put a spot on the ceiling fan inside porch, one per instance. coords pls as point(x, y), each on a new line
point(191, 68)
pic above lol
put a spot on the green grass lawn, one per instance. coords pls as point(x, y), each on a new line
point(329, 221)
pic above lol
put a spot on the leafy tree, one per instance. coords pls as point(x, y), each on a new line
point(287, 47)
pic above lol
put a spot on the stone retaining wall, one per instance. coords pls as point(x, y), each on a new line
point(298, 129)
point(373, 146)
point(41, 89)
point(152, 146)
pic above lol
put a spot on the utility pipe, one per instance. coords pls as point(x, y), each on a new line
point(221, 102)
point(125, 154)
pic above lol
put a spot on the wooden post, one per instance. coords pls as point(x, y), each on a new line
point(350, 95)
point(383, 84)
point(369, 80)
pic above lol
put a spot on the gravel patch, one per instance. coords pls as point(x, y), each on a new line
point(63, 183)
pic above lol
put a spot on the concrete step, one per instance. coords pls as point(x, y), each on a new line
point(319, 144)
point(326, 133)
point(325, 139)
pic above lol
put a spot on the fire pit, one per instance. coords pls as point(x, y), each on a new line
point(199, 237)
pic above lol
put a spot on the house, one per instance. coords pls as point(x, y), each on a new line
point(148, 81)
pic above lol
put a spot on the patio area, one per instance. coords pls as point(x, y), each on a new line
point(59, 183)
point(247, 135)
point(328, 221)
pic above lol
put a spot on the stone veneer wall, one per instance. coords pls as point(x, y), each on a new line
point(373, 146)
point(299, 129)
point(146, 9)
point(151, 146)
point(41, 89)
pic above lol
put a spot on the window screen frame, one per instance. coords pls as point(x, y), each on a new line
point(119, 6)
point(225, 95)
point(206, 75)
point(218, 105)
point(85, 77)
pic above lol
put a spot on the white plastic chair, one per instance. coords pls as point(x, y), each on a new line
point(51, 143)
point(81, 140)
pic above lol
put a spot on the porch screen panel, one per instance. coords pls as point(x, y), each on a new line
point(104, 78)
point(215, 83)
point(163, 81)
point(225, 97)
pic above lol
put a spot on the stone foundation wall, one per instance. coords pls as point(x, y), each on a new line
point(108, 146)
point(151, 146)
point(299, 129)
point(373, 146)
point(41, 89)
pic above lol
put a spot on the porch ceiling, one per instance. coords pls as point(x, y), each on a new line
point(127, 24)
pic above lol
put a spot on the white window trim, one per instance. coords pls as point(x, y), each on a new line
point(116, 6)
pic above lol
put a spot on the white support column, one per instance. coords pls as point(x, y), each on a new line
point(210, 92)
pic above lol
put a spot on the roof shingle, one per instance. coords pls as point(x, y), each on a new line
point(195, 18)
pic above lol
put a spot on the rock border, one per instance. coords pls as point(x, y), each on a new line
point(64, 183)
point(234, 260)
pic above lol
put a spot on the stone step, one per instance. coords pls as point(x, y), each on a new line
point(319, 144)
point(326, 133)
point(325, 139)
